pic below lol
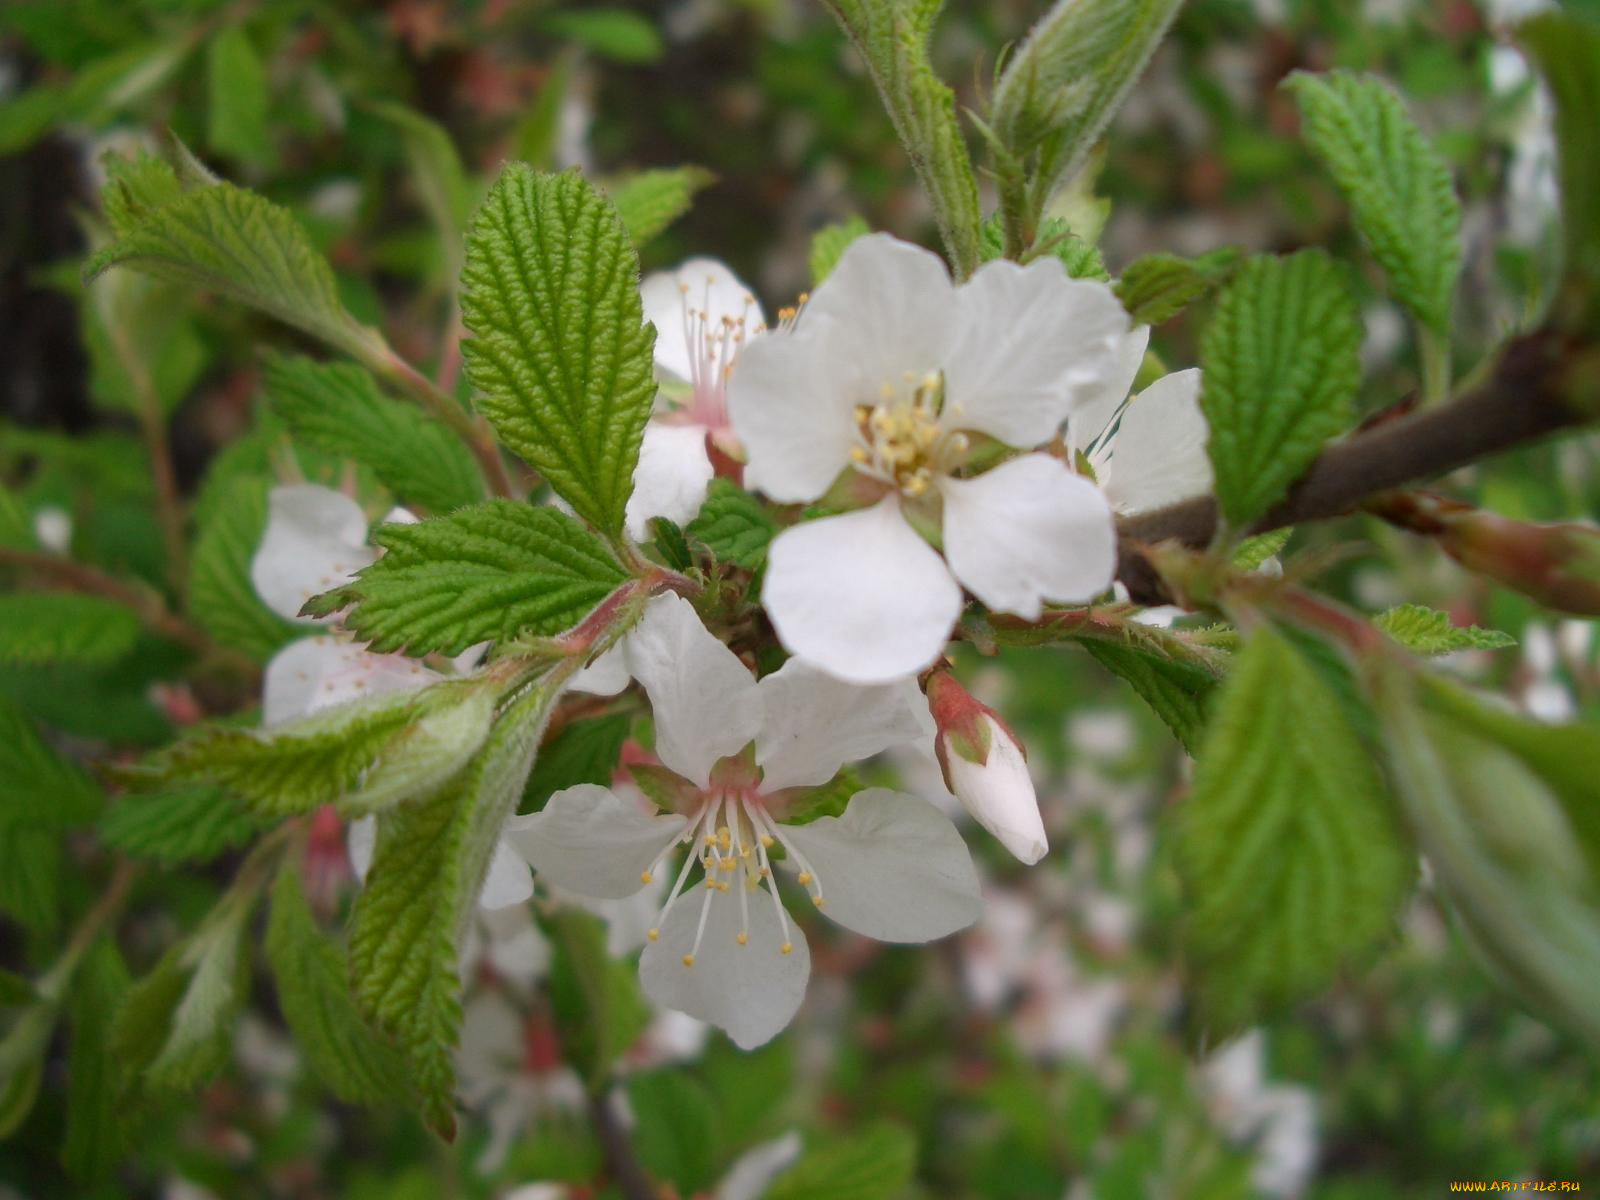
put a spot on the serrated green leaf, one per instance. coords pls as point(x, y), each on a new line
point(1289, 851)
point(135, 188)
point(1064, 84)
point(427, 868)
point(221, 596)
point(52, 627)
point(1157, 287)
point(875, 1164)
point(338, 409)
point(1254, 551)
point(481, 574)
point(355, 1063)
point(613, 33)
point(193, 824)
point(1399, 188)
point(1280, 368)
point(675, 1135)
point(176, 1025)
point(365, 755)
point(651, 200)
point(98, 1127)
point(1424, 630)
point(231, 241)
point(38, 787)
point(22, 1052)
point(595, 998)
point(734, 526)
point(1079, 256)
point(237, 100)
point(829, 243)
point(892, 36)
point(560, 349)
point(670, 544)
point(1179, 693)
point(583, 752)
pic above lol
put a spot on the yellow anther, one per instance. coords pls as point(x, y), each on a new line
point(688, 960)
point(722, 887)
point(710, 882)
point(644, 876)
point(786, 948)
point(817, 900)
point(726, 864)
point(858, 454)
point(766, 841)
point(762, 872)
point(805, 878)
point(743, 938)
point(711, 839)
point(653, 934)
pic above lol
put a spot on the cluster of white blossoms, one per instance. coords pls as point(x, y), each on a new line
point(965, 439)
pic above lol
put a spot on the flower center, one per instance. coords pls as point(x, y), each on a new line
point(902, 439)
point(729, 836)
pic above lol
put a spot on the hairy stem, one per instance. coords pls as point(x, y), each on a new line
point(1529, 394)
point(473, 430)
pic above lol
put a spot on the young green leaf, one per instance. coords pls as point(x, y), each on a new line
point(482, 574)
point(560, 350)
point(1253, 552)
point(436, 171)
point(337, 408)
point(594, 996)
point(1179, 693)
point(1288, 849)
point(829, 243)
point(651, 200)
point(221, 596)
point(194, 824)
point(1067, 80)
point(1424, 630)
point(231, 241)
point(733, 525)
point(355, 1063)
point(892, 36)
point(874, 1164)
point(1398, 186)
point(1280, 370)
point(57, 627)
point(427, 869)
point(236, 117)
point(1079, 256)
point(365, 755)
point(613, 33)
point(676, 1138)
point(1157, 287)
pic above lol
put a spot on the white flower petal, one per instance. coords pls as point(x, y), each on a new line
point(703, 699)
point(816, 723)
point(861, 596)
point(314, 673)
point(1029, 531)
point(360, 838)
point(592, 842)
point(606, 675)
point(888, 307)
point(315, 540)
point(754, 1170)
point(1158, 456)
point(671, 478)
point(892, 867)
point(795, 419)
point(750, 992)
point(508, 880)
point(513, 944)
point(1093, 411)
point(701, 283)
point(1031, 342)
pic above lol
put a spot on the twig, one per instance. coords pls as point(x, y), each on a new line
point(617, 1148)
point(1527, 396)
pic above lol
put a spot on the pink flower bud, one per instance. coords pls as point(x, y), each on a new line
point(986, 767)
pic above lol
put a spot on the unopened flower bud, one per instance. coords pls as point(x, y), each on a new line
point(1558, 565)
point(986, 767)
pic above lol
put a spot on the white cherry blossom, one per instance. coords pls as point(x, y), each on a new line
point(896, 374)
point(703, 314)
point(736, 754)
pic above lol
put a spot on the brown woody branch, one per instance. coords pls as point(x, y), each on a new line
point(1541, 384)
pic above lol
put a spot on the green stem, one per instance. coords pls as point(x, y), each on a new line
point(1434, 351)
point(473, 430)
